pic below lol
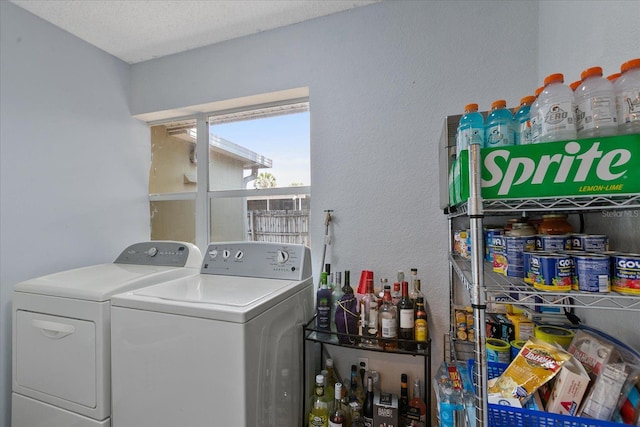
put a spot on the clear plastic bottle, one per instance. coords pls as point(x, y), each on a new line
point(627, 89)
point(534, 117)
point(557, 110)
point(499, 128)
point(522, 121)
point(470, 128)
point(595, 105)
point(575, 85)
point(613, 77)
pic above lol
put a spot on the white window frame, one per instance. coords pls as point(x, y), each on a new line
point(202, 195)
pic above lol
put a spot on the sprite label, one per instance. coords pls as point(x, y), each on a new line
point(585, 167)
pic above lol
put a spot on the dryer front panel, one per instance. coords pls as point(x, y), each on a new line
point(56, 356)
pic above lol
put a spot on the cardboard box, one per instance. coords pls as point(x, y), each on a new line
point(523, 327)
point(504, 178)
point(385, 410)
point(568, 388)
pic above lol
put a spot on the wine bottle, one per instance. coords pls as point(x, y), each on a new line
point(319, 413)
point(420, 322)
point(388, 321)
point(337, 417)
point(405, 311)
point(367, 408)
point(403, 403)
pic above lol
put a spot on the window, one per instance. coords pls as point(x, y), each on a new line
point(256, 170)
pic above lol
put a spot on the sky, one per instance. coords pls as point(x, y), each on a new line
point(283, 139)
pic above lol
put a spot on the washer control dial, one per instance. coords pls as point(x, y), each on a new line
point(283, 256)
point(153, 251)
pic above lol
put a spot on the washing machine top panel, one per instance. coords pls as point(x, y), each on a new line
point(227, 298)
point(140, 264)
point(100, 282)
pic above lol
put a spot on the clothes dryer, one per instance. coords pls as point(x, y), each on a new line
point(223, 348)
point(61, 334)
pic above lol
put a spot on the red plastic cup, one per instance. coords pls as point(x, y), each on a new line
point(362, 285)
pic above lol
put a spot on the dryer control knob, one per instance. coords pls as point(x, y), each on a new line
point(152, 252)
point(283, 256)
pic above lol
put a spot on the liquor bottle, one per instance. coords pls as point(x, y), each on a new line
point(412, 285)
point(388, 321)
point(420, 325)
point(330, 383)
point(323, 305)
point(345, 405)
point(337, 416)
point(367, 408)
point(403, 403)
point(319, 413)
point(369, 317)
point(400, 277)
point(356, 393)
point(356, 419)
point(405, 312)
point(396, 294)
point(417, 292)
point(417, 410)
point(380, 292)
point(336, 296)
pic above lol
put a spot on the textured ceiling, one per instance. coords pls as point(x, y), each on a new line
point(139, 30)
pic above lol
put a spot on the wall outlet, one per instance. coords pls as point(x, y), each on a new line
point(363, 363)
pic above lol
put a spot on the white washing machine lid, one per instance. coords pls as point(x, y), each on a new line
point(226, 298)
point(100, 282)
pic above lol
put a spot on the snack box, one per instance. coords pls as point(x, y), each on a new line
point(523, 327)
point(568, 389)
point(385, 409)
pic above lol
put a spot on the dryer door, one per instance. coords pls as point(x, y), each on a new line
point(56, 356)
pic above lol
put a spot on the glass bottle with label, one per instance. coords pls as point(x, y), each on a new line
point(356, 392)
point(330, 382)
point(388, 321)
point(337, 418)
point(336, 296)
point(369, 317)
point(412, 285)
point(396, 294)
point(417, 410)
point(367, 408)
point(403, 402)
point(323, 304)
point(319, 413)
point(420, 322)
point(406, 314)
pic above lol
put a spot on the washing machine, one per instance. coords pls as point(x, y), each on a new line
point(223, 348)
point(61, 334)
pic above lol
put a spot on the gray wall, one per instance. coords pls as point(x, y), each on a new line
point(74, 164)
point(381, 79)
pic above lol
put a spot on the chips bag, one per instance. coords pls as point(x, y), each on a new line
point(535, 364)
